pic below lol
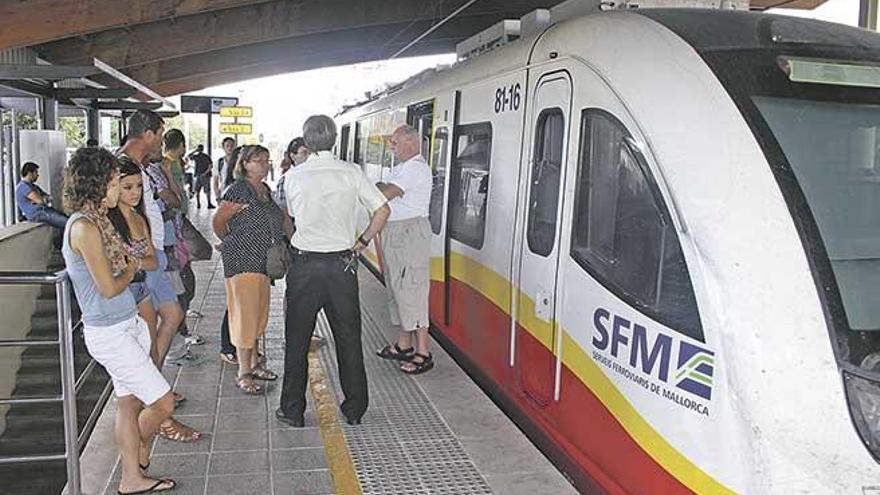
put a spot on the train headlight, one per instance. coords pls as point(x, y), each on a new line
point(863, 397)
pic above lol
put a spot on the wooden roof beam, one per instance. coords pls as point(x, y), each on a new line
point(39, 21)
point(277, 19)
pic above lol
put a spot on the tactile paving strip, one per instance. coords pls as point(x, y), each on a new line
point(403, 445)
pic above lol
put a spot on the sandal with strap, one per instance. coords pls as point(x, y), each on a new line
point(413, 367)
point(156, 488)
point(260, 373)
point(394, 352)
point(178, 432)
point(229, 357)
point(246, 384)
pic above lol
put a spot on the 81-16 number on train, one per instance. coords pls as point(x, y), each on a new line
point(507, 99)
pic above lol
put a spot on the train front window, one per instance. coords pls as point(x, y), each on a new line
point(833, 149)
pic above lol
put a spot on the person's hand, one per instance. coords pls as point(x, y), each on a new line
point(134, 265)
point(232, 207)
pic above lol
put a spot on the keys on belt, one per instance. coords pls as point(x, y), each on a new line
point(349, 258)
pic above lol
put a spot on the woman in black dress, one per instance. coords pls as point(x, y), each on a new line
point(249, 223)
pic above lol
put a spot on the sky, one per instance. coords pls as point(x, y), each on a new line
point(281, 103)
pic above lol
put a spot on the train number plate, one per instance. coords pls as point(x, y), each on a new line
point(508, 98)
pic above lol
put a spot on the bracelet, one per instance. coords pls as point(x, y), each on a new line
point(363, 241)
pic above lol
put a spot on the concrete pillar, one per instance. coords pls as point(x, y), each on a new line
point(48, 113)
point(93, 124)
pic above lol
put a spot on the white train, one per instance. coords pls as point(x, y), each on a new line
point(657, 244)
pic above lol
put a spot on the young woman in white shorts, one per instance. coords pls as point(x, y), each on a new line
point(101, 272)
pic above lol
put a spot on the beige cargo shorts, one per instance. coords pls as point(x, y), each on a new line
point(406, 248)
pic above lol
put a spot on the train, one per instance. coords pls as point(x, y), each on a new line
point(656, 243)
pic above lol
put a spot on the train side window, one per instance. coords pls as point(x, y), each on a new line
point(361, 134)
point(622, 234)
point(469, 183)
point(374, 144)
point(438, 172)
point(546, 172)
point(343, 142)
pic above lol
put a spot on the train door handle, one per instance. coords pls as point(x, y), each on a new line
point(544, 305)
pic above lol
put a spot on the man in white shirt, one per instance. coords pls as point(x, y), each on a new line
point(406, 249)
point(322, 194)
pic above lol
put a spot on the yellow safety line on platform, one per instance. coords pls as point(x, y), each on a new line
point(335, 449)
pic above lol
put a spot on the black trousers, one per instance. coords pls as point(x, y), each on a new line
point(226, 346)
point(185, 299)
point(315, 282)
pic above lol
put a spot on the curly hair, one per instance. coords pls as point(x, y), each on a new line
point(86, 177)
point(248, 153)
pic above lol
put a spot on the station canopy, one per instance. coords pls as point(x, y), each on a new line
point(167, 47)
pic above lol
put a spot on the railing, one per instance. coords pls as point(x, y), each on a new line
point(74, 440)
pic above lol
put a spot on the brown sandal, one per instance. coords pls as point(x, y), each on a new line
point(261, 373)
point(178, 432)
point(247, 385)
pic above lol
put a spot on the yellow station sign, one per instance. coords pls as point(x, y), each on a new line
point(236, 111)
point(236, 129)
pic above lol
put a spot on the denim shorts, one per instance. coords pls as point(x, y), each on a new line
point(158, 284)
point(139, 290)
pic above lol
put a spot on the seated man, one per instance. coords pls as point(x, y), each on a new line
point(33, 202)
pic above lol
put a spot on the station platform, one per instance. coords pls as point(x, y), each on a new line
point(435, 433)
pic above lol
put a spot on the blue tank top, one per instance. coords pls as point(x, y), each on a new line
point(97, 310)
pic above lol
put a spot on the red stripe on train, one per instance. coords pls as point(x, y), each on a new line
point(579, 424)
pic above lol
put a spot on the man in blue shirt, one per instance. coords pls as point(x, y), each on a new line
point(33, 201)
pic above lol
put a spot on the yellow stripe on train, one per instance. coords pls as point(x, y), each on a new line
point(497, 289)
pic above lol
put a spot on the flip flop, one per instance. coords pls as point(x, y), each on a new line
point(153, 489)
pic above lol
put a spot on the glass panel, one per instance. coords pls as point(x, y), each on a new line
point(546, 173)
point(621, 236)
point(438, 172)
point(469, 189)
point(840, 177)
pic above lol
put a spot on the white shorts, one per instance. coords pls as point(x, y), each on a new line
point(124, 351)
point(406, 249)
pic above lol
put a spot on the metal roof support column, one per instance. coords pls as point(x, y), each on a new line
point(868, 11)
point(48, 113)
point(93, 124)
point(15, 155)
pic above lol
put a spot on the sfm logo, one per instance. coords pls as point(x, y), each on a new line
point(654, 355)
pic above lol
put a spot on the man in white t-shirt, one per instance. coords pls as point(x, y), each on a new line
point(406, 249)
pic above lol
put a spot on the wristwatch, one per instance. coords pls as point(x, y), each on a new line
point(363, 241)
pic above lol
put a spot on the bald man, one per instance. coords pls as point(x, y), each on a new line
point(406, 248)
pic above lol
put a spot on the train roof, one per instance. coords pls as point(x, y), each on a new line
point(706, 30)
point(717, 30)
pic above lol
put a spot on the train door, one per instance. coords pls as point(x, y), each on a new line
point(438, 159)
point(538, 231)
